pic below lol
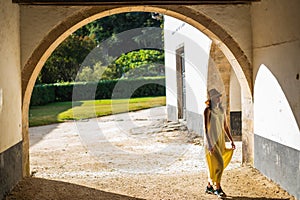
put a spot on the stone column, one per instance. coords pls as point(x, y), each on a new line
point(219, 72)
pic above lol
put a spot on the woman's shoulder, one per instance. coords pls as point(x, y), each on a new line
point(207, 110)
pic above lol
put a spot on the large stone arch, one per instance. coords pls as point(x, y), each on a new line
point(231, 49)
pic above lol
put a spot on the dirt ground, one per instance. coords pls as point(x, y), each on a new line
point(136, 155)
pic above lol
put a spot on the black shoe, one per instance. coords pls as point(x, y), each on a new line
point(209, 190)
point(220, 193)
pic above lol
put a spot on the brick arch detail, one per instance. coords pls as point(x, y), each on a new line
point(237, 58)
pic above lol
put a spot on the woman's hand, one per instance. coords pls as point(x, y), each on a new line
point(232, 145)
point(211, 150)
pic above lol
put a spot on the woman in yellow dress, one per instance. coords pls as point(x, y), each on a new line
point(217, 155)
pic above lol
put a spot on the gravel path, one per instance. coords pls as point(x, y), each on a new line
point(137, 155)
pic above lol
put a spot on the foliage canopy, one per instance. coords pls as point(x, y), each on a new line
point(66, 61)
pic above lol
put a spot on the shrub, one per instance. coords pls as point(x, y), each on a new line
point(105, 89)
point(42, 94)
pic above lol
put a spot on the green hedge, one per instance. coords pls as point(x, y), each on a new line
point(122, 88)
point(42, 94)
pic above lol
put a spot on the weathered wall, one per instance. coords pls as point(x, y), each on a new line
point(10, 168)
point(10, 81)
point(276, 38)
point(235, 19)
point(10, 97)
point(276, 48)
point(37, 22)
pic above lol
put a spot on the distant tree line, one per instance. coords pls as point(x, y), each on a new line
point(118, 46)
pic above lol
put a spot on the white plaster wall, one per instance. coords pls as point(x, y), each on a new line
point(235, 93)
point(170, 72)
point(196, 52)
point(276, 42)
point(274, 119)
point(10, 76)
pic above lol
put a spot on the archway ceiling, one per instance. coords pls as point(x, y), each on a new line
point(130, 2)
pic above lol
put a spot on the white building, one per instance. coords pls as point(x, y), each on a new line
point(186, 61)
point(190, 72)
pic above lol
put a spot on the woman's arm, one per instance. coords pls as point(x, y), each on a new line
point(227, 131)
point(206, 126)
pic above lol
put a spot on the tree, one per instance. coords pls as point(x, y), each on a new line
point(135, 64)
point(118, 32)
point(65, 61)
point(94, 73)
point(105, 27)
point(144, 62)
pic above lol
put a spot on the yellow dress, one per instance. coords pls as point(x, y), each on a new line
point(220, 158)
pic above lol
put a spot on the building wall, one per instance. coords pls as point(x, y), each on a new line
point(196, 54)
point(10, 97)
point(10, 82)
point(235, 19)
point(276, 48)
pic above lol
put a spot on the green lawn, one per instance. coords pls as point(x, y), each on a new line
point(63, 111)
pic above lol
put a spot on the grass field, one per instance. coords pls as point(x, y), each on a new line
point(64, 111)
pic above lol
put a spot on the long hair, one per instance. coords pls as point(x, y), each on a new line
point(209, 105)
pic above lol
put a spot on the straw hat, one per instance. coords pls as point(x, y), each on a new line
point(213, 93)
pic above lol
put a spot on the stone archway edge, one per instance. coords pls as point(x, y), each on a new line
point(40, 54)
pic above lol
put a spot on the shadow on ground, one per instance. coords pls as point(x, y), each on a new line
point(43, 119)
point(37, 134)
point(37, 188)
point(253, 198)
